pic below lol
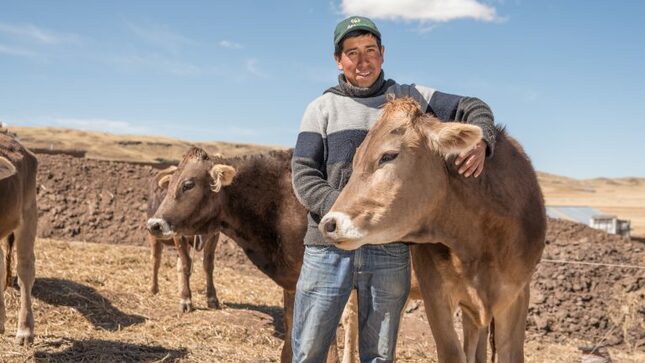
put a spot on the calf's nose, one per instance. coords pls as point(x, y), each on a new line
point(154, 227)
point(330, 225)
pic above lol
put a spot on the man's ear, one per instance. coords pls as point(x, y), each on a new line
point(222, 176)
point(163, 176)
point(450, 138)
point(7, 169)
point(337, 60)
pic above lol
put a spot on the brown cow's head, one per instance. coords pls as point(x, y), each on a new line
point(399, 173)
point(193, 200)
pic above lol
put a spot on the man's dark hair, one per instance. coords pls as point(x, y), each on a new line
point(356, 33)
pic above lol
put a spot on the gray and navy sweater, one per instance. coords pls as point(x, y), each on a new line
point(334, 125)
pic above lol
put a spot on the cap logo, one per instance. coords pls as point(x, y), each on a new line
point(355, 20)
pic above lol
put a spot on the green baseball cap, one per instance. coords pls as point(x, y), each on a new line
point(354, 23)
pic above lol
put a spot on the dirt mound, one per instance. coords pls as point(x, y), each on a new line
point(581, 290)
point(91, 200)
point(105, 201)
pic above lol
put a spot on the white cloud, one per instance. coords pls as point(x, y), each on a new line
point(252, 67)
point(100, 124)
point(229, 44)
point(161, 37)
point(16, 52)
point(422, 10)
point(160, 64)
point(39, 35)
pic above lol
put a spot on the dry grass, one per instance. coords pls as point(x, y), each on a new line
point(622, 197)
point(134, 148)
point(91, 304)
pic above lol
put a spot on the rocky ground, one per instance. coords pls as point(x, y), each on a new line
point(105, 201)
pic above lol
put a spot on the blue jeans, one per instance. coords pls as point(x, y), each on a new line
point(381, 275)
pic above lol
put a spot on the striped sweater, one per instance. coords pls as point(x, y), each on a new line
point(333, 126)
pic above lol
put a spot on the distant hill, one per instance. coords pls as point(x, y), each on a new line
point(132, 148)
point(624, 197)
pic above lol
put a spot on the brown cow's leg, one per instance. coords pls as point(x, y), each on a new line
point(475, 343)
point(184, 265)
point(437, 303)
point(26, 265)
point(510, 327)
point(209, 265)
point(8, 244)
point(156, 248)
point(350, 325)
point(3, 314)
point(288, 300)
point(332, 353)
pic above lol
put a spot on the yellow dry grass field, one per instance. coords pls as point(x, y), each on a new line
point(624, 197)
point(133, 148)
point(92, 304)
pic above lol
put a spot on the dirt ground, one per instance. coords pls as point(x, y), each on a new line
point(101, 311)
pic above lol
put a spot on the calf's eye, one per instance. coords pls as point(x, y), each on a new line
point(187, 185)
point(387, 157)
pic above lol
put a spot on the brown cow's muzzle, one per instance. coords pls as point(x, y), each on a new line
point(159, 228)
point(339, 228)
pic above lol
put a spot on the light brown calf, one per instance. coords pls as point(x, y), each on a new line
point(183, 245)
point(481, 238)
point(18, 221)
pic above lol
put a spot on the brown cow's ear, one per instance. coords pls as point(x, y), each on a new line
point(164, 181)
point(7, 169)
point(163, 176)
point(222, 176)
point(450, 138)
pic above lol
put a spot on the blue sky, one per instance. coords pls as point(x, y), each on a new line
point(565, 77)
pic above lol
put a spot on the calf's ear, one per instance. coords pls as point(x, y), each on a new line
point(7, 169)
point(450, 138)
point(163, 176)
point(164, 181)
point(222, 176)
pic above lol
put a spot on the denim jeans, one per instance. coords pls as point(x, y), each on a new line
point(381, 275)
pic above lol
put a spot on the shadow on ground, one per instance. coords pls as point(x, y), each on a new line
point(276, 312)
point(96, 308)
point(94, 350)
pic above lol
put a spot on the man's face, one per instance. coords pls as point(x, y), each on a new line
point(361, 60)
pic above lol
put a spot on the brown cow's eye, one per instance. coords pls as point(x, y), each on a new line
point(387, 157)
point(188, 185)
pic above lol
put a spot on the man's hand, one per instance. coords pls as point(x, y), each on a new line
point(471, 162)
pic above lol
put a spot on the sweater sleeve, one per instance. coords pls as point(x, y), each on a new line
point(309, 167)
point(470, 110)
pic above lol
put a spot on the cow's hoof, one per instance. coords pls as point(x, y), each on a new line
point(1, 329)
point(154, 290)
point(213, 303)
point(24, 339)
point(185, 306)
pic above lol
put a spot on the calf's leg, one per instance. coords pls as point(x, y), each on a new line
point(156, 248)
point(209, 265)
point(438, 306)
point(26, 266)
point(184, 265)
point(510, 328)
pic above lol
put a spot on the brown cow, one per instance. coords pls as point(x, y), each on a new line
point(481, 237)
point(18, 222)
point(183, 244)
point(259, 211)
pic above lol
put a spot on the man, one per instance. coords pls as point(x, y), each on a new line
point(333, 126)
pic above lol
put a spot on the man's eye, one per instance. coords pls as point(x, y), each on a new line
point(188, 185)
point(387, 157)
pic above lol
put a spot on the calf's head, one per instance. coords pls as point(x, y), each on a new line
point(399, 174)
point(194, 198)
